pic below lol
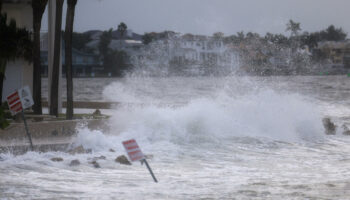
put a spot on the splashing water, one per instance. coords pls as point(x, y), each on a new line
point(209, 138)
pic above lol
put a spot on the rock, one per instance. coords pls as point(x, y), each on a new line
point(330, 185)
point(95, 164)
point(57, 159)
point(74, 163)
point(79, 150)
point(346, 130)
point(329, 126)
point(1, 159)
point(122, 160)
point(97, 112)
point(111, 150)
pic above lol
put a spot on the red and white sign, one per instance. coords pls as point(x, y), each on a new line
point(133, 150)
point(20, 99)
point(14, 103)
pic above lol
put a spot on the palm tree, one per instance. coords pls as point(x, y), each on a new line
point(14, 43)
point(68, 54)
point(122, 29)
point(56, 59)
point(38, 10)
point(293, 27)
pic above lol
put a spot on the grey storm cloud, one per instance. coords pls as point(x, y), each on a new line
point(209, 16)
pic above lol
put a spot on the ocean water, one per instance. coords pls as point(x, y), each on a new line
point(208, 137)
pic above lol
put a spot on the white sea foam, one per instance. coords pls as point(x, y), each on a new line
point(266, 115)
point(222, 142)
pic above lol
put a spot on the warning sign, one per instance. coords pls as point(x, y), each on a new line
point(14, 103)
point(19, 100)
point(133, 150)
point(135, 154)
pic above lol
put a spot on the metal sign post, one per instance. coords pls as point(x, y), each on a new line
point(149, 169)
point(18, 101)
point(135, 154)
point(28, 134)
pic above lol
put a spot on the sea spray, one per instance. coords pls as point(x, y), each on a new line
point(226, 139)
point(264, 115)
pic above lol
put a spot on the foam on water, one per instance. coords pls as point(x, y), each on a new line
point(257, 143)
point(263, 115)
point(209, 122)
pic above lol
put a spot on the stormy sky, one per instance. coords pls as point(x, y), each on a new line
point(209, 16)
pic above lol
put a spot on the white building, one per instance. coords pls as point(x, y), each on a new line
point(18, 73)
point(188, 53)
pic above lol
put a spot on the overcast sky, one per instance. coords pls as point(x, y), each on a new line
point(209, 16)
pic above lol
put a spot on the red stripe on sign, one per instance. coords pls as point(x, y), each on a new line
point(13, 98)
point(13, 101)
point(19, 109)
point(12, 95)
point(129, 141)
point(134, 152)
point(139, 154)
point(16, 107)
point(137, 158)
point(132, 147)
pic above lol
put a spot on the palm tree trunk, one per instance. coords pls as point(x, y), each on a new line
point(56, 59)
point(2, 76)
point(38, 10)
point(68, 56)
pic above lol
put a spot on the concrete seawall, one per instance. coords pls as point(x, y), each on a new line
point(46, 135)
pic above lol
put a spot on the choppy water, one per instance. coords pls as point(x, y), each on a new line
point(211, 138)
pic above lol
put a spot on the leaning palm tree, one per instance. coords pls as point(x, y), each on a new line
point(38, 7)
point(56, 59)
point(68, 56)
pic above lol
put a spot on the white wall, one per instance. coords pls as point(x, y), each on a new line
point(20, 72)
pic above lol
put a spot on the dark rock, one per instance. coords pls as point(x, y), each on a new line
point(123, 160)
point(329, 126)
point(346, 130)
point(330, 185)
point(111, 150)
point(74, 163)
point(95, 164)
point(79, 150)
point(57, 159)
point(97, 112)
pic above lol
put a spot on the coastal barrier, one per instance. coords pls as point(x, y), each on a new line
point(109, 105)
point(46, 135)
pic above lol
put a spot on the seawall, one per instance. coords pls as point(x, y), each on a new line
point(46, 135)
